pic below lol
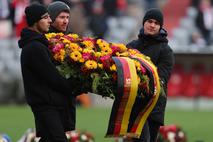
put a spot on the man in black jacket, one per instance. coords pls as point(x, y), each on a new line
point(60, 15)
point(152, 41)
point(46, 90)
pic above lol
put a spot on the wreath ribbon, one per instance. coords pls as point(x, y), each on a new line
point(125, 99)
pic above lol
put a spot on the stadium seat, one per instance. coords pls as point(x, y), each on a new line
point(176, 82)
point(206, 89)
point(194, 80)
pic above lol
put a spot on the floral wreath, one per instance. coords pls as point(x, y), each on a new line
point(90, 61)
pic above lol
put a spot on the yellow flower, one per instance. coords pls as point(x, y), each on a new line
point(132, 51)
point(60, 55)
point(75, 36)
point(74, 46)
point(76, 55)
point(80, 49)
point(50, 35)
point(81, 60)
point(104, 46)
point(102, 43)
point(113, 68)
point(98, 54)
point(91, 64)
point(139, 79)
point(56, 57)
point(64, 40)
point(137, 65)
point(88, 44)
point(86, 50)
point(121, 46)
point(124, 54)
point(67, 46)
point(106, 51)
point(147, 58)
point(100, 65)
point(60, 34)
point(117, 54)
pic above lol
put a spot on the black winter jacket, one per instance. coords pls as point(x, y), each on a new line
point(42, 82)
point(157, 48)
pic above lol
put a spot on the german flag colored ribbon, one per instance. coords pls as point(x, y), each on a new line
point(125, 99)
point(142, 116)
point(127, 90)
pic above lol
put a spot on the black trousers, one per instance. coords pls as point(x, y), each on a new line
point(49, 125)
point(149, 132)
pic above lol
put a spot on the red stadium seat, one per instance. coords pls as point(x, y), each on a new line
point(206, 88)
point(194, 80)
point(176, 82)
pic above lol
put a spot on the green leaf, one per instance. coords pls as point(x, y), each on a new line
point(95, 82)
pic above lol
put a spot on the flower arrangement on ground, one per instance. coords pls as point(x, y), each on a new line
point(72, 136)
point(90, 60)
point(171, 133)
point(4, 138)
point(80, 136)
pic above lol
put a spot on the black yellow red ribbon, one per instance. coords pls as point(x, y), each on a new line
point(127, 90)
point(125, 99)
point(143, 114)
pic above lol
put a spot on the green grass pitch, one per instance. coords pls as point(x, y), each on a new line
point(198, 125)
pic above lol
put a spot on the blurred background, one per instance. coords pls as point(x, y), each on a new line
point(190, 31)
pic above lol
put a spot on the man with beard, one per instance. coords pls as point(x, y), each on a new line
point(60, 15)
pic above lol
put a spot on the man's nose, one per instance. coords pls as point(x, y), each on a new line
point(50, 20)
point(152, 24)
point(66, 20)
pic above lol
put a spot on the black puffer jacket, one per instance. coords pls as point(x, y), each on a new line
point(44, 87)
point(157, 48)
point(42, 81)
